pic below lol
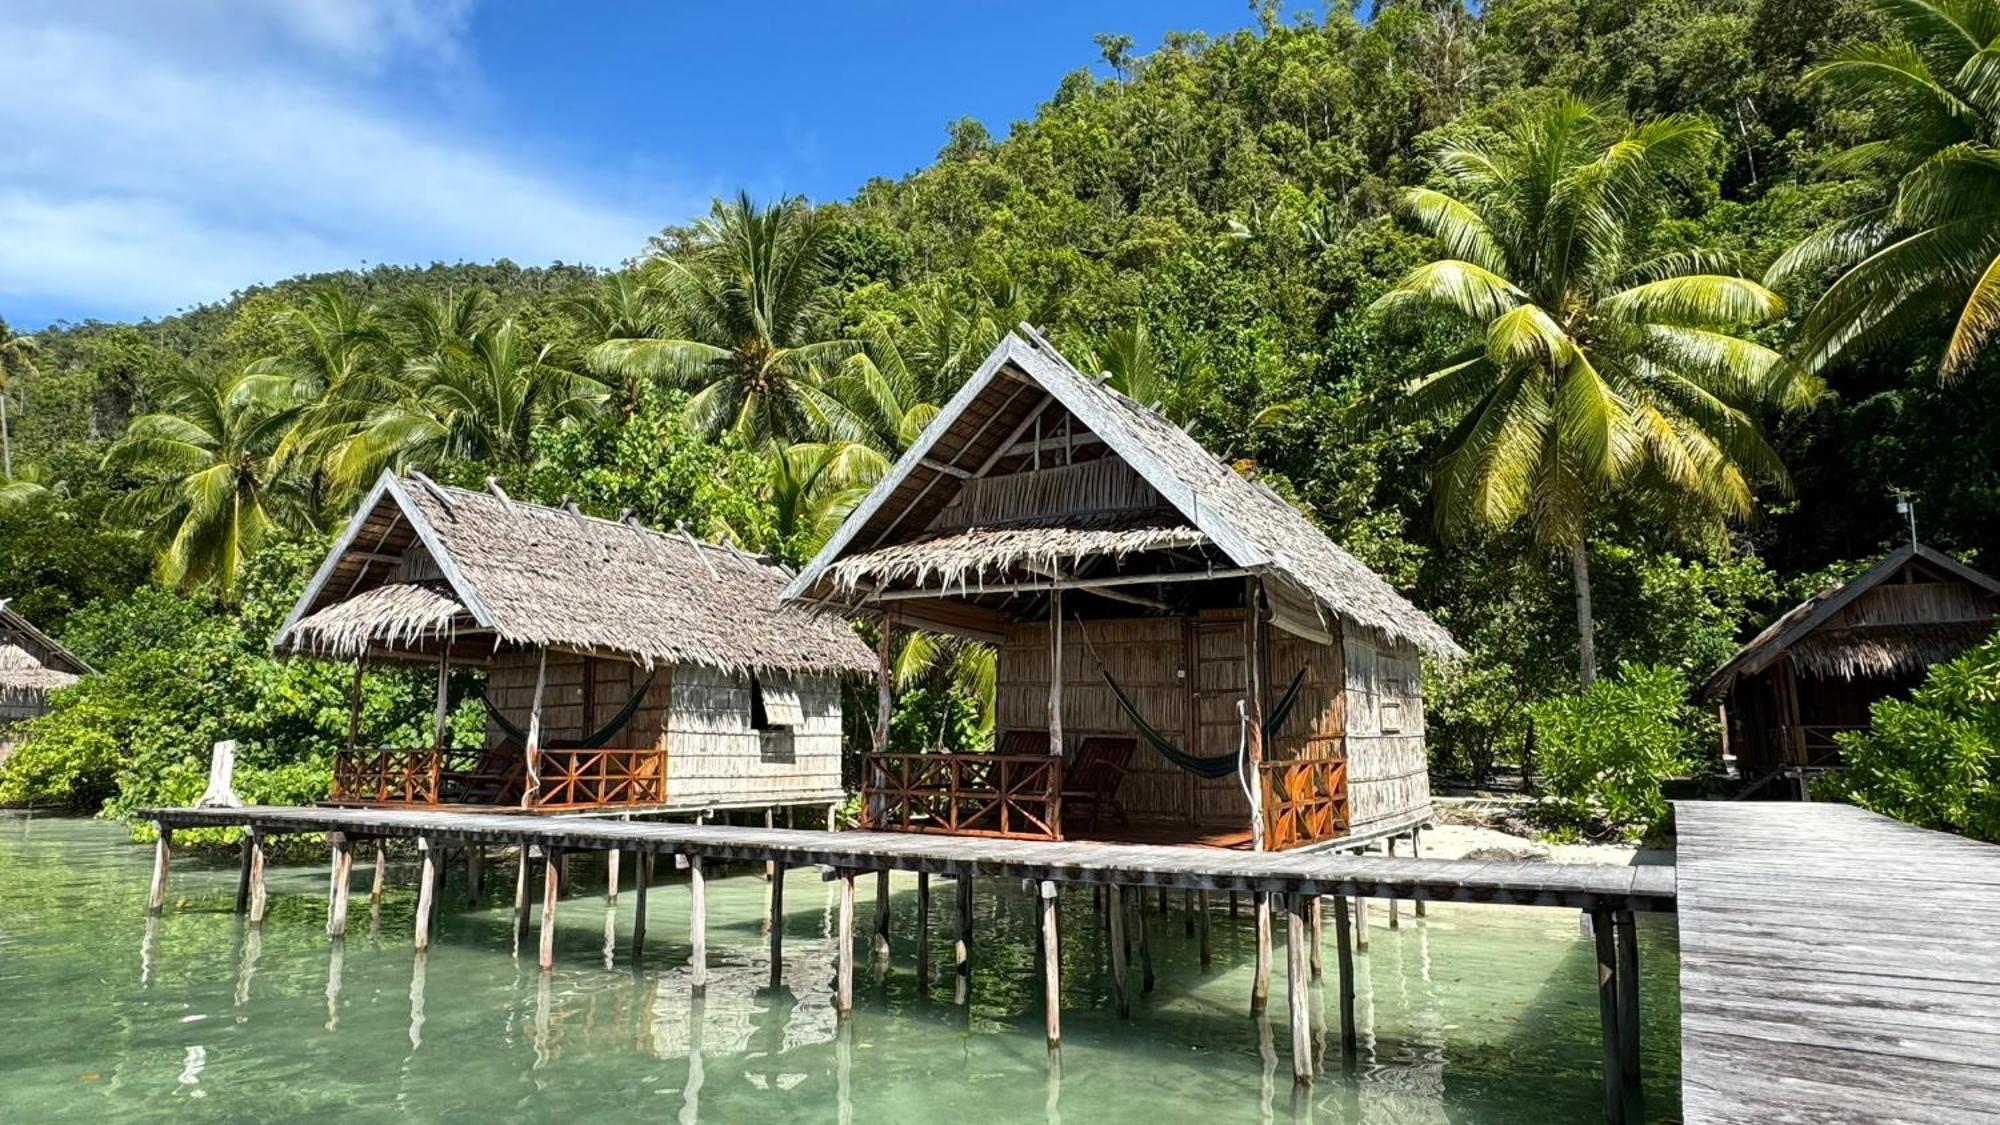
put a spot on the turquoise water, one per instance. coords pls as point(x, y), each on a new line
point(1475, 1014)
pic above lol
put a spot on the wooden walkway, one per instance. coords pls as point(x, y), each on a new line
point(1835, 966)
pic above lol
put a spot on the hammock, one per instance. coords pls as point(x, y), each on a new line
point(1220, 765)
point(595, 741)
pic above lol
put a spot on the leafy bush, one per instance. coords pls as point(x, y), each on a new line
point(1605, 752)
point(1932, 759)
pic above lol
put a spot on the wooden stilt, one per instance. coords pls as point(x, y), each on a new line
point(1416, 852)
point(770, 875)
point(1360, 924)
point(1260, 982)
point(243, 877)
point(1625, 932)
point(375, 888)
point(1343, 949)
point(1395, 923)
point(611, 875)
point(775, 923)
point(336, 900)
point(1295, 987)
point(642, 882)
point(1318, 938)
point(923, 930)
point(882, 915)
point(1145, 948)
point(1607, 1014)
point(475, 874)
point(1201, 906)
point(1051, 966)
point(553, 871)
point(1232, 904)
point(163, 852)
point(521, 893)
point(427, 869)
point(1187, 913)
point(962, 946)
point(259, 900)
point(843, 991)
point(697, 924)
point(1115, 907)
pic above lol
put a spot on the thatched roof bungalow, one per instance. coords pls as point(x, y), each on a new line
point(1125, 574)
point(1816, 670)
point(32, 664)
point(625, 667)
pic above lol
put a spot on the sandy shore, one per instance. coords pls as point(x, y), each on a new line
point(1453, 837)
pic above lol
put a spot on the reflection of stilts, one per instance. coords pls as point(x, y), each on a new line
point(1260, 981)
point(544, 1002)
point(253, 948)
point(336, 965)
point(417, 970)
point(843, 984)
point(1344, 959)
point(691, 1093)
point(1295, 989)
point(1052, 1091)
point(610, 934)
point(843, 1073)
point(375, 892)
point(149, 948)
point(340, 878)
point(1267, 1050)
point(923, 932)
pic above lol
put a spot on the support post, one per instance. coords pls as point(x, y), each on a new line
point(163, 852)
point(1417, 852)
point(521, 893)
point(1344, 960)
point(1607, 1013)
point(531, 792)
point(776, 924)
point(1201, 904)
point(1295, 987)
point(1625, 931)
point(243, 877)
point(375, 888)
point(1187, 913)
point(340, 877)
point(1318, 938)
point(642, 882)
point(259, 899)
point(882, 915)
point(1253, 694)
point(552, 880)
point(611, 877)
point(1260, 981)
point(1115, 908)
point(427, 869)
point(885, 687)
point(1055, 672)
point(697, 925)
point(1051, 966)
point(962, 947)
point(923, 930)
point(1145, 947)
point(1360, 924)
point(475, 874)
point(843, 991)
point(1395, 923)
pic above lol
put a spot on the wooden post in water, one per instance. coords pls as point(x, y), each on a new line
point(1607, 1013)
point(1260, 981)
point(642, 882)
point(697, 925)
point(1295, 988)
point(1360, 924)
point(770, 874)
point(475, 874)
point(521, 893)
point(1051, 966)
point(1145, 947)
point(552, 880)
point(1318, 938)
point(962, 947)
point(1201, 905)
point(1115, 907)
point(259, 900)
point(1187, 913)
point(243, 877)
point(843, 990)
point(427, 870)
point(1344, 960)
point(882, 915)
point(775, 923)
point(923, 930)
point(611, 876)
point(1395, 923)
point(1417, 852)
point(1625, 932)
point(163, 853)
point(341, 876)
point(375, 888)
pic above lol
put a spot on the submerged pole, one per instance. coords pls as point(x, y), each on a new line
point(243, 877)
point(427, 870)
point(259, 900)
point(923, 930)
point(843, 991)
point(1295, 988)
point(163, 853)
point(1318, 938)
point(1051, 966)
point(1201, 901)
point(1344, 959)
point(882, 915)
point(340, 877)
point(1395, 923)
point(375, 889)
point(697, 925)
point(642, 881)
point(521, 892)
point(776, 924)
point(1115, 908)
point(1625, 933)
point(1417, 852)
point(1360, 923)
point(962, 947)
point(552, 880)
point(1145, 947)
point(1260, 982)
point(611, 876)
point(1607, 1013)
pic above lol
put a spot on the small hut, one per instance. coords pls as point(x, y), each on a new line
point(625, 668)
point(31, 665)
point(1182, 657)
point(1814, 672)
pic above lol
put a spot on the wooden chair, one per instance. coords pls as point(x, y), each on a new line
point(1094, 777)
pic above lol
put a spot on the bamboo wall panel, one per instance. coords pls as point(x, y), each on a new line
point(510, 684)
point(715, 757)
point(1217, 642)
point(1388, 773)
point(1090, 488)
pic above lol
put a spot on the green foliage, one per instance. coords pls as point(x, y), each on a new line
point(1605, 751)
point(1932, 759)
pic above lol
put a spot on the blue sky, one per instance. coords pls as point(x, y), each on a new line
point(164, 155)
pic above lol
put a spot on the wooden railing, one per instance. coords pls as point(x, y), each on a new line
point(459, 776)
point(1304, 801)
point(1016, 796)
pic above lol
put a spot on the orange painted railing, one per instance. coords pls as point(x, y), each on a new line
point(457, 776)
point(584, 778)
point(1016, 796)
point(1304, 801)
point(388, 776)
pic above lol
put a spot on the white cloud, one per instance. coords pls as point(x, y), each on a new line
point(147, 171)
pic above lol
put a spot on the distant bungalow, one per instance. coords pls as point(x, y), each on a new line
point(1071, 527)
point(1814, 672)
point(626, 669)
point(32, 664)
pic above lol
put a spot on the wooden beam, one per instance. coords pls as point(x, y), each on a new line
point(1260, 980)
point(1051, 444)
point(697, 924)
point(259, 900)
point(1295, 988)
point(1056, 678)
point(882, 915)
point(552, 879)
point(962, 946)
point(243, 877)
point(1027, 422)
point(427, 870)
point(1201, 906)
point(163, 851)
point(611, 876)
point(776, 922)
point(340, 877)
point(1145, 947)
point(1089, 584)
point(948, 470)
point(1253, 691)
point(521, 893)
point(843, 993)
point(1318, 918)
point(1051, 965)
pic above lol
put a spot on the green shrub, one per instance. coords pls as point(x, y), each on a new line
point(1605, 752)
point(1932, 759)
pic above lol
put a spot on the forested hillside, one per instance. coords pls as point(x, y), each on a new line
point(1216, 224)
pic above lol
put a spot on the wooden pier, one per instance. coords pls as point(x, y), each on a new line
point(1835, 966)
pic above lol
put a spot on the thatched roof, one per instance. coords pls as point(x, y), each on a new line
point(31, 662)
point(1243, 521)
point(1874, 626)
point(963, 559)
point(423, 561)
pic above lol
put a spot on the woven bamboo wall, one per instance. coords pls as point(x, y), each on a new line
point(714, 757)
point(510, 684)
point(1387, 770)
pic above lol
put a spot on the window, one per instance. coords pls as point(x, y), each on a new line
point(1390, 711)
point(774, 705)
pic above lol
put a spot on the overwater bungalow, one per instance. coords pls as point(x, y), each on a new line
point(626, 669)
point(1124, 574)
point(1815, 671)
point(32, 664)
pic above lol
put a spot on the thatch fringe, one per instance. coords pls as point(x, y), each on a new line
point(964, 560)
point(392, 616)
point(1852, 654)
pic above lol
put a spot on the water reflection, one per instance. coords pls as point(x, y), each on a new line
point(420, 962)
point(252, 948)
point(697, 1027)
point(336, 964)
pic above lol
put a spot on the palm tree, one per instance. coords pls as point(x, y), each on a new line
point(30, 488)
point(811, 488)
point(17, 358)
point(340, 358)
point(1933, 249)
point(216, 490)
point(883, 395)
point(739, 321)
point(481, 406)
point(1585, 371)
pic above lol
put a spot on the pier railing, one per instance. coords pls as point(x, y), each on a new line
point(584, 778)
point(571, 778)
point(1304, 800)
point(1014, 796)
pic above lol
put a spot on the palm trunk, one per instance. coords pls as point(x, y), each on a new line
point(1586, 645)
point(6, 442)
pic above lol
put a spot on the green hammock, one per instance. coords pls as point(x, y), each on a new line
point(1220, 765)
point(596, 741)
